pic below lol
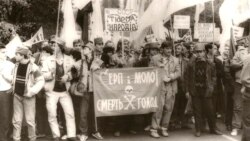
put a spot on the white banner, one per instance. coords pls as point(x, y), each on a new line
point(181, 22)
point(121, 19)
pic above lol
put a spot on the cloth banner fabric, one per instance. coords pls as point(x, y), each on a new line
point(37, 38)
point(126, 91)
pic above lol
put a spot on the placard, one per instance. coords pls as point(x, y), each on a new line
point(181, 22)
point(121, 19)
point(206, 32)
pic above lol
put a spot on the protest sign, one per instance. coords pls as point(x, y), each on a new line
point(237, 32)
point(181, 22)
point(121, 19)
point(126, 91)
point(206, 32)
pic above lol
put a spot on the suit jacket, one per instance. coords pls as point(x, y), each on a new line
point(171, 69)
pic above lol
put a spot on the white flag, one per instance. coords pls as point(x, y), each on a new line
point(68, 33)
point(12, 46)
point(160, 10)
point(96, 20)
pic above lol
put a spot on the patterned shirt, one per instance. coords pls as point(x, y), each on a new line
point(20, 79)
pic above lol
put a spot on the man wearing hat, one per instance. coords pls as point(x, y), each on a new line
point(6, 75)
point(28, 81)
point(98, 42)
point(201, 77)
point(170, 64)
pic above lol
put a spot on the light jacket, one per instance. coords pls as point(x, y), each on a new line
point(171, 69)
point(87, 79)
point(49, 71)
point(237, 62)
point(245, 79)
point(34, 80)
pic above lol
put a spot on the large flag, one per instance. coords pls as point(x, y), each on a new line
point(96, 21)
point(69, 33)
point(80, 4)
point(238, 13)
point(160, 10)
point(199, 8)
point(12, 46)
point(37, 38)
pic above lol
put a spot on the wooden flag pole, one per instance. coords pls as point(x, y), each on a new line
point(122, 38)
point(213, 19)
point(171, 24)
point(58, 18)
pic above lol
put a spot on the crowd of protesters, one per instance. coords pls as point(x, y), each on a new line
point(200, 84)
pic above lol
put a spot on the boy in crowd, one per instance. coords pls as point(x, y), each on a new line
point(28, 81)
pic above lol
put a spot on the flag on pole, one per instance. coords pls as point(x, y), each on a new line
point(69, 33)
point(199, 8)
point(160, 10)
point(238, 13)
point(37, 38)
point(12, 46)
point(96, 21)
point(80, 4)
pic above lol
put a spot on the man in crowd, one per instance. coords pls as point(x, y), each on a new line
point(98, 42)
point(180, 100)
point(91, 62)
point(170, 64)
point(28, 81)
point(201, 77)
point(236, 65)
point(228, 83)
point(6, 76)
point(245, 79)
point(218, 94)
point(57, 91)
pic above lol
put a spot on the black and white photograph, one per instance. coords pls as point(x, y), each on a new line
point(125, 70)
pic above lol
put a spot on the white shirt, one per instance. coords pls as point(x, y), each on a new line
point(6, 68)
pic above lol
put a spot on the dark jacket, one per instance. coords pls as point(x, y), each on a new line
point(210, 81)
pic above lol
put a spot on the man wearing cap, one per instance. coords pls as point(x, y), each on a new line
point(28, 81)
point(91, 61)
point(98, 42)
point(170, 64)
point(6, 76)
point(201, 78)
point(56, 90)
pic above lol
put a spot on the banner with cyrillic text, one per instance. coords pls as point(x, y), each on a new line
point(126, 91)
point(121, 19)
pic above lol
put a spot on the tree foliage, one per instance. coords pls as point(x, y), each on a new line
point(26, 16)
